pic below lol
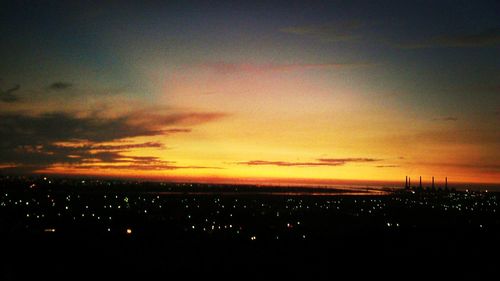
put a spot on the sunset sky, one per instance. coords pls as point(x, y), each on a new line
point(278, 90)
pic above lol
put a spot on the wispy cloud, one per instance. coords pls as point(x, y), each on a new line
point(347, 160)
point(485, 38)
point(146, 167)
point(127, 146)
point(335, 32)
point(317, 162)
point(387, 166)
point(177, 130)
point(8, 95)
point(231, 68)
point(153, 119)
point(477, 166)
point(448, 118)
point(286, 164)
point(469, 136)
point(59, 86)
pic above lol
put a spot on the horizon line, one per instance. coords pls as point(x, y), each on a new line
point(259, 181)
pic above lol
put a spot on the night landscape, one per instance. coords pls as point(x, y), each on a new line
point(312, 140)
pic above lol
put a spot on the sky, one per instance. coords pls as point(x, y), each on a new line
point(275, 91)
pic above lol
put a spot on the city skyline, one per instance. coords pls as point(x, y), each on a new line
point(302, 91)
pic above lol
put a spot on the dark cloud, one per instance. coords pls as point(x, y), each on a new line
point(177, 130)
point(8, 95)
point(61, 126)
point(467, 136)
point(485, 38)
point(58, 86)
point(336, 32)
point(162, 119)
point(35, 142)
point(128, 146)
point(108, 157)
point(347, 160)
point(318, 162)
point(144, 166)
point(448, 118)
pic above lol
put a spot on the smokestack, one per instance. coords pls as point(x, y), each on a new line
point(432, 182)
point(409, 181)
point(420, 184)
point(406, 182)
point(446, 182)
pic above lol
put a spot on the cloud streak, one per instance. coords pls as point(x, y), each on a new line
point(285, 163)
point(8, 95)
point(231, 68)
point(485, 38)
point(448, 118)
point(146, 167)
point(59, 86)
point(387, 166)
point(318, 162)
point(337, 32)
point(127, 146)
point(348, 160)
point(476, 166)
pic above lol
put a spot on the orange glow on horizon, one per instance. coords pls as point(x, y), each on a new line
point(265, 123)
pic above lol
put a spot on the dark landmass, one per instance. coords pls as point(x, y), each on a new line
point(94, 229)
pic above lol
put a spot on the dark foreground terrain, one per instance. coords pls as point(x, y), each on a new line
point(81, 229)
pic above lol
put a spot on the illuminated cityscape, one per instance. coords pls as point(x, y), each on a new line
point(216, 222)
